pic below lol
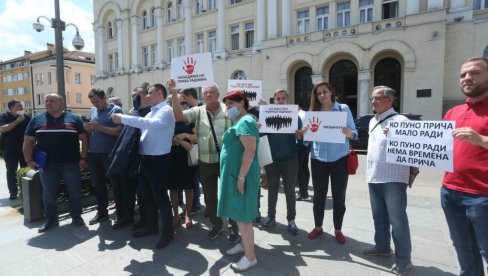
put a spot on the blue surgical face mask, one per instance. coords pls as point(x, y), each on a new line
point(233, 112)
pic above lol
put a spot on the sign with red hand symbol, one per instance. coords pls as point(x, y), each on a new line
point(325, 126)
point(192, 70)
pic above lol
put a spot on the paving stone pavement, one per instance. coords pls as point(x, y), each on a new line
point(99, 250)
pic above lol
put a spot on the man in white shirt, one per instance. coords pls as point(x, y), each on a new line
point(388, 186)
point(155, 147)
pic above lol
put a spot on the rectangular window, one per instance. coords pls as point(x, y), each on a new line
point(480, 4)
point(171, 50)
point(78, 98)
point(322, 18)
point(211, 5)
point(26, 104)
point(145, 57)
point(26, 76)
point(154, 54)
point(343, 14)
point(199, 6)
point(200, 43)
point(110, 63)
point(77, 78)
point(212, 41)
point(40, 99)
point(41, 78)
point(116, 61)
point(49, 80)
point(92, 79)
point(234, 37)
point(235, 1)
point(249, 28)
point(365, 11)
point(181, 46)
point(15, 77)
point(390, 9)
point(303, 22)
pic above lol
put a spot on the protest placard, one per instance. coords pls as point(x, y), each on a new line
point(192, 70)
point(253, 89)
point(427, 144)
point(325, 126)
point(278, 118)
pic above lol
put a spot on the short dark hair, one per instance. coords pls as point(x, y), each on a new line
point(190, 92)
point(160, 87)
point(96, 92)
point(12, 103)
point(482, 59)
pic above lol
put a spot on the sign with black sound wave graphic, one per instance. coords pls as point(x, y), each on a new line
point(278, 118)
point(253, 89)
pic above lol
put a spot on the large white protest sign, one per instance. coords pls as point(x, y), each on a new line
point(425, 144)
point(253, 89)
point(192, 70)
point(324, 126)
point(278, 118)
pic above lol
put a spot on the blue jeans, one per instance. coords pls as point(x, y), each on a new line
point(98, 166)
point(50, 180)
point(467, 218)
point(389, 206)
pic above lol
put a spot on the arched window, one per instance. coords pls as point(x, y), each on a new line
point(170, 13)
point(110, 31)
point(303, 87)
point(238, 75)
point(485, 52)
point(388, 71)
point(154, 22)
point(181, 9)
point(145, 24)
point(343, 76)
point(115, 29)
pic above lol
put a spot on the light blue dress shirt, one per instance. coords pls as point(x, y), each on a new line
point(330, 152)
point(158, 128)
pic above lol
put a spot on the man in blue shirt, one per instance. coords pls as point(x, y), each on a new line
point(103, 134)
point(57, 134)
point(155, 146)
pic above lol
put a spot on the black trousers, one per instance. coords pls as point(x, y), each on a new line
point(337, 172)
point(153, 178)
point(13, 157)
point(303, 176)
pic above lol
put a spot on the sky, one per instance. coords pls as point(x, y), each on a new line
point(17, 33)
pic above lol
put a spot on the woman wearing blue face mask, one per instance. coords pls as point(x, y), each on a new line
point(239, 176)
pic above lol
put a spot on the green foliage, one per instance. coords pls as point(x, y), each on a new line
point(21, 173)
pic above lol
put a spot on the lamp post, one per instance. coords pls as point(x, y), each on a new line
point(59, 26)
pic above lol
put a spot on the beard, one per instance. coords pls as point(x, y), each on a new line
point(477, 90)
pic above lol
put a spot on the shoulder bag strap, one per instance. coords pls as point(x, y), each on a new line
point(213, 133)
point(378, 123)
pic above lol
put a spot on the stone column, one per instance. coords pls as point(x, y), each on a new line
point(120, 49)
point(135, 67)
point(260, 28)
point(101, 70)
point(316, 78)
point(221, 27)
point(160, 39)
point(435, 4)
point(413, 7)
point(285, 18)
point(272, 19)
point(332, 15)
point(459, 11)
point(363, 98)
point(188, 27)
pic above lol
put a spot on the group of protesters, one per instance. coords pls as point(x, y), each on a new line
point(144, 155)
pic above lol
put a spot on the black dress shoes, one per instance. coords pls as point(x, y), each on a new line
point(121, 223)
point(48, 226)
point(12, 196)
point(78, 222)
point(164, 241)
point(144, 232)
point(138, 225)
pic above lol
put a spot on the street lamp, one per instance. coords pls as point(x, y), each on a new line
point(59, 26)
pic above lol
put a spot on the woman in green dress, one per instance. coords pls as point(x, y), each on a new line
point(239, 177)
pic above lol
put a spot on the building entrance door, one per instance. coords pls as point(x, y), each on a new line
point(303, 87)
point(343, 76)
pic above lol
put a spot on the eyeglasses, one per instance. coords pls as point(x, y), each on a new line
point(378, 98)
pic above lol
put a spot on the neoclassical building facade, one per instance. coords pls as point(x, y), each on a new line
point(414, 46)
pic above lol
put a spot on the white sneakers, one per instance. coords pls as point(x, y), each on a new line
point(244, 264)
point(237, 249)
